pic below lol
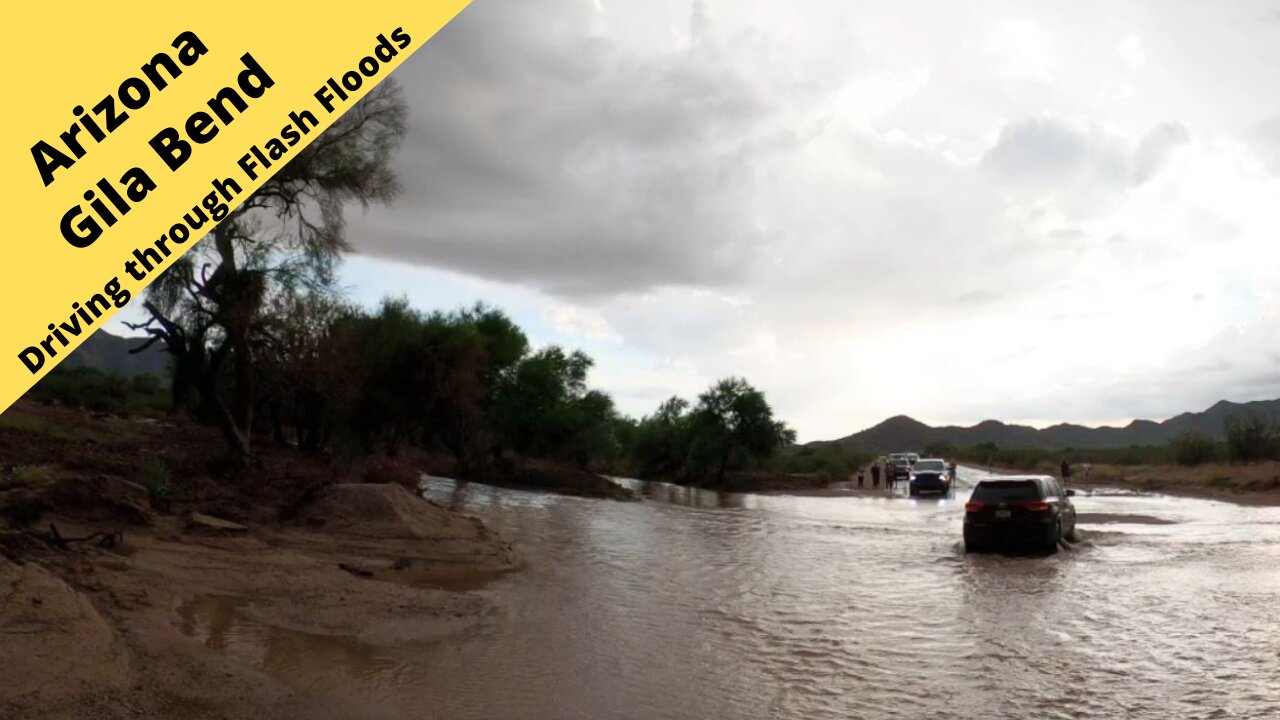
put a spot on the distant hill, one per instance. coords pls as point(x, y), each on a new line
point(904, 433)
point(110, 353)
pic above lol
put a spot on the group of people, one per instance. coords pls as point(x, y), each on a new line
point(878, 468)
point(881, 469)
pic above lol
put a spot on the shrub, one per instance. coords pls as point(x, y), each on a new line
point(1250, 437)
point(1193, 448)
point(95, 390)
point(154, 476)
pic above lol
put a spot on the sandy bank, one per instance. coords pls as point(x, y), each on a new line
point(97, 632)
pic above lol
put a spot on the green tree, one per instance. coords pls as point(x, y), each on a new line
point(733, 419)
point(469, 354)
point(1193, 448)
point(590, 430)
point(535, 406)
point(660, 442)
point(1250, 437)
point(479, 351)
point(392, 375)
point(306, 375)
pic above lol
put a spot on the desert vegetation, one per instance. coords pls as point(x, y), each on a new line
point(265, 347)
point(1248, 437)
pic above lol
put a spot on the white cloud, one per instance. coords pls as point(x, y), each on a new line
point(1156, 148)
point(1133, 51)
point(964, 215)
point(583, 322)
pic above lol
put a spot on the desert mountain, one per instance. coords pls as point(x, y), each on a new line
point(110, 353)
point(902, 432)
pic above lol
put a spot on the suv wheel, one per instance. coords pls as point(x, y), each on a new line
point(1051, 542)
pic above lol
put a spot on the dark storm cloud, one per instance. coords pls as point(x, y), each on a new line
point(541, 154)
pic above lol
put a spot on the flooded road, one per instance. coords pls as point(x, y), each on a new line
point(697, 605)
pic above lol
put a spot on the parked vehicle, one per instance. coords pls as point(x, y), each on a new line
point(929, 475)
point(1021, 510)
point(899, 467)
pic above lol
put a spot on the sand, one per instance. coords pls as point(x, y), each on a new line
point(96, 633)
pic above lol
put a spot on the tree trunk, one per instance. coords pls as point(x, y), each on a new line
point(237, 443)
point(242, 404)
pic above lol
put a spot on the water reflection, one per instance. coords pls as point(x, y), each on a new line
point(685, 495)
point(305, 659)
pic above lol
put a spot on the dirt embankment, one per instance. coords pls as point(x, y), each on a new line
point(93, 631)
point(110, 526)
point(1252, 483)
point(1257, 483)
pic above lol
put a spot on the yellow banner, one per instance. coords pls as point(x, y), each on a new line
point(131, 129)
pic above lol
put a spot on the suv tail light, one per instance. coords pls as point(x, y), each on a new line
point(972, 506)
point(1036, 505)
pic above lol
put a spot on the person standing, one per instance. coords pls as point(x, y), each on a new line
point(1066, 471)
point(875, 475)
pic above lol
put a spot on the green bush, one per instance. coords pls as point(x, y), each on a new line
point(154, 476)
point(1193, 448)
point(830, 458)
point(95, 390)
point(1251, 437)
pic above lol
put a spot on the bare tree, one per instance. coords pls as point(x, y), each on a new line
point(208, 307)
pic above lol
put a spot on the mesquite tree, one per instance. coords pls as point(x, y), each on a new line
point(208, 307)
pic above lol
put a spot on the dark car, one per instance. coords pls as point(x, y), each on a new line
point(929, 475)
point(1024, 510)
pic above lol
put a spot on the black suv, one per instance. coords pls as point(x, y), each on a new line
point(1025, 509)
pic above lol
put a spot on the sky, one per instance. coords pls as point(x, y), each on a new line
point(1030, 211)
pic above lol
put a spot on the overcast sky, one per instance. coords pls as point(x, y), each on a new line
point(1020, 210)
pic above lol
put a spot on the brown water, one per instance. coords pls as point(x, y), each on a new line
point(697, 605)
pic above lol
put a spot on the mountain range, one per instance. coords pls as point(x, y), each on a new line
point(905, 433)
point(110, 353)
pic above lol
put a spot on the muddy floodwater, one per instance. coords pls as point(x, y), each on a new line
point(697, 605)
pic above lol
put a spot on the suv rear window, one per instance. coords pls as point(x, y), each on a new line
point(1006, 490)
